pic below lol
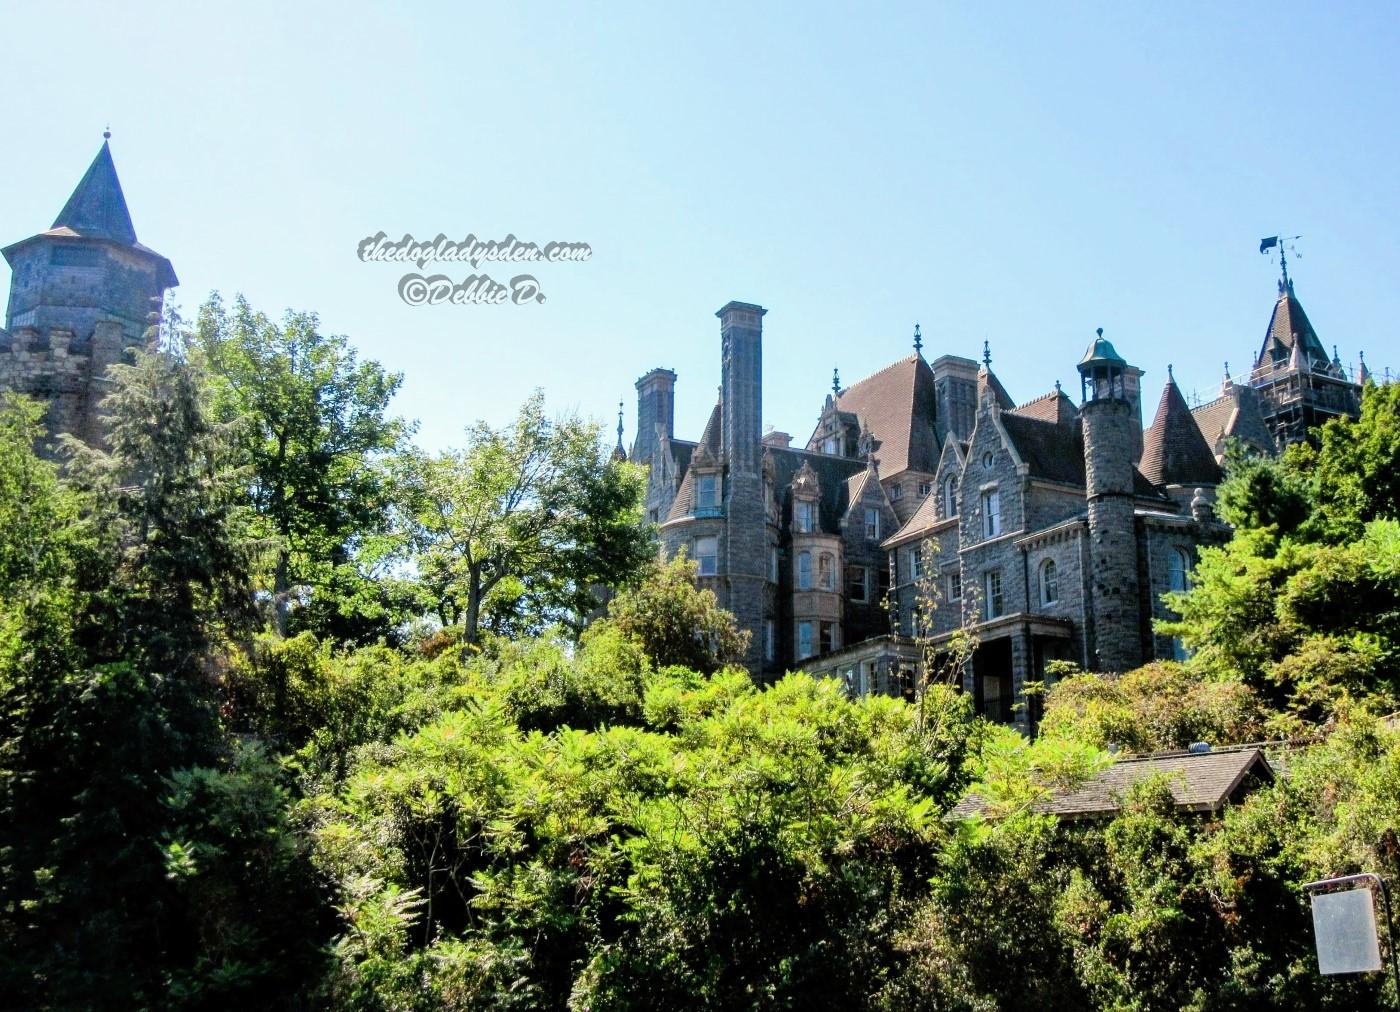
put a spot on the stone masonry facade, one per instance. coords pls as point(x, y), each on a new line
point(926, 501)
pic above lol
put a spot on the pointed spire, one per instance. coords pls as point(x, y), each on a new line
point(918, 341)
point(97, 208)
point(1170, 377)
point(618, 452)
point(1336, 357)
point(1227, 384)
point(1363, 374)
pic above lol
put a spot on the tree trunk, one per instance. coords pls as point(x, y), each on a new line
point(473, 617)
point(281, 601)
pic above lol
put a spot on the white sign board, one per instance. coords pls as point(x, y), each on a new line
point(1345, 923)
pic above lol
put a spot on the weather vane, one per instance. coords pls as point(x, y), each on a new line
point(1284, 244)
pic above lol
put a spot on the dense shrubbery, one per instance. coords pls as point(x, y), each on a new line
point(359, 755)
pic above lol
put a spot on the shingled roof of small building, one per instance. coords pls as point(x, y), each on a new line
point(897, 405)
point(1174, 451)
point(1199, 781)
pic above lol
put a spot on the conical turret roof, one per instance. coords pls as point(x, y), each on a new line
point(1173, 450)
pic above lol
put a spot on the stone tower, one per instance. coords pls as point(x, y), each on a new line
point(741, 443)
point(81, 294)
point(656, 407)
point(1115, 610)
point(1299, 387)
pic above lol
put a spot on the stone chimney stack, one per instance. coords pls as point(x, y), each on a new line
point(656, 406)
point(745, 547)
point(741, 386)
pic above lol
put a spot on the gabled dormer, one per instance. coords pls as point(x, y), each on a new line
point(806, 493)
point(991, 483)
point(706, 477)
point(947, 480)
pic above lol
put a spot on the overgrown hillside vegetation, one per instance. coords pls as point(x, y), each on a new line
point(298, 716)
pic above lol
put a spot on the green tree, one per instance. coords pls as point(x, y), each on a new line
point(675, 622)
point(132, 840)
point(316, 435)
point(1158, 707)
point(1353, 475)
point(166, 492)
point(524, 525)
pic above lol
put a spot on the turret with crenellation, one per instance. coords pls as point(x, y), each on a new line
point(81, 295)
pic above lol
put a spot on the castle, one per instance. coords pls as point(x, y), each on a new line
point(81, 294)
point(1051, 529)
point(926, 503)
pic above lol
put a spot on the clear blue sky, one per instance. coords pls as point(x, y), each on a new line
point(1019, 173)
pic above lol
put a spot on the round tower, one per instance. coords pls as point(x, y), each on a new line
point(1115, 611)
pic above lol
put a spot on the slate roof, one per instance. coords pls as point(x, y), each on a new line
point(1055, 406)
point(897, 404)
point(1216, 418)
point(834, 475)
point(97, 208)
point(1174, 451)
point(855, 485)
point(987, 380)
point(1199, 782)
point(685, 492)
point(922, 519)
point(1287, 321)
point(1052, 451)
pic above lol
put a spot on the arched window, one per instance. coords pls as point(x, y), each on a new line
point(1178, 569)
point(1049, 582)
point(950, 496)
point(804, 570)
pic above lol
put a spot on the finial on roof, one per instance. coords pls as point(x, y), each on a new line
point(1336, 357)
point(107, 132)
point(987, 355)
point(835, 381)
point(1170, 377)
point(918, 340)
point(1227, 370)
point(618, 452)
point(1057, 388)
point(1099, 332)
point(1362, 374)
